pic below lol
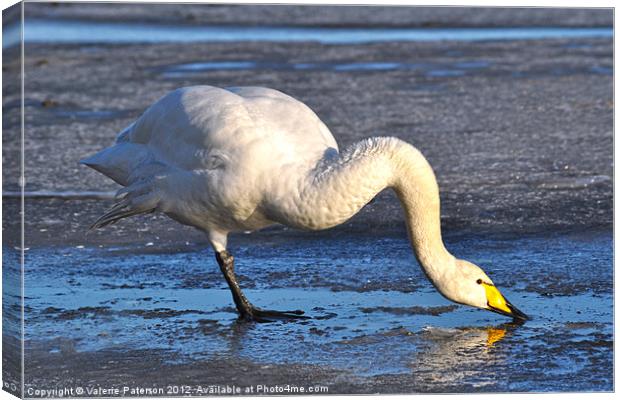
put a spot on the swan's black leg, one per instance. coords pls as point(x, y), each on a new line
point(246, 310)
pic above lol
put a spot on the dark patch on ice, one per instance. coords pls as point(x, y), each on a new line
point(159, 313)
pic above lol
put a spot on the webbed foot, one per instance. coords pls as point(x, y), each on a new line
point(259, 315)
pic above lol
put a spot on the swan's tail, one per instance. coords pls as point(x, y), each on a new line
point(135, 199)
point(119, 161)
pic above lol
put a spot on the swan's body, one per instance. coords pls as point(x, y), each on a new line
point(239, 159)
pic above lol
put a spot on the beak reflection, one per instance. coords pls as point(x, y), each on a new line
point(494, 335)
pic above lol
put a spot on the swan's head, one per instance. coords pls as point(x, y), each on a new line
point(474, 288)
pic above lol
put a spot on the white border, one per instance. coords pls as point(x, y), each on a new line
point(478, 3)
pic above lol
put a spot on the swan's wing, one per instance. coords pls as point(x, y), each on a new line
point(200, 127)
point(288, 114)
point(180, 128)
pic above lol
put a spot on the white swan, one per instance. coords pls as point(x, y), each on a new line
point(239, 159)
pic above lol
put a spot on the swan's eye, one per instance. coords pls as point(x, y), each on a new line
point(479, 281)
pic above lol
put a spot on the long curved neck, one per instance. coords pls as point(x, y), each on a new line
point(418, 192)
point(338, 188)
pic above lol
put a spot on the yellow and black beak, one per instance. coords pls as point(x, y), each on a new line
point(497, 303)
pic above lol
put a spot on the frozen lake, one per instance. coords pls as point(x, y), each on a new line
point(373, 311)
